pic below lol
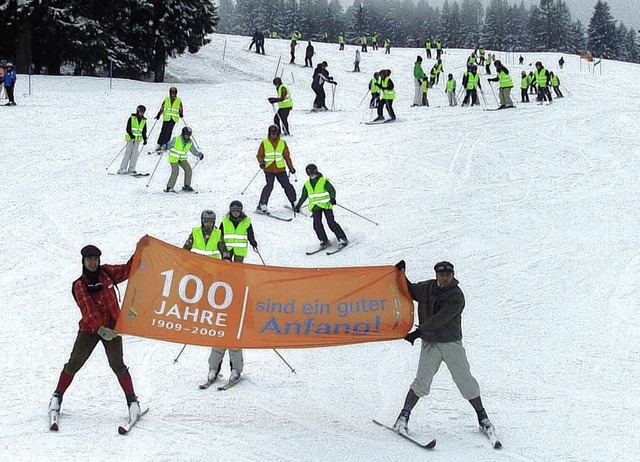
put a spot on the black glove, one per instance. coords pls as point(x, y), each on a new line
point(334, 82)
point(293, 171)
point(333, 201)
point(297, 209)
point(273, 100)
point(157, 117)
point(255, 248)
point(263, 164)
point(412, 336)
point(144, 142)
point(201, 157)
point(401, 265)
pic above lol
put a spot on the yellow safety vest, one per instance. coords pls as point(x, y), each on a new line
point(505, 80)
point(451, 86)
point(136, 129)
point(210, 248)
point(318, 195)
point(288, 102)
point(388, 94)
point(235, 237)
point(179, 151)
point(272, 154)
point(472, 81)
point(541, 77)
point(171, 111)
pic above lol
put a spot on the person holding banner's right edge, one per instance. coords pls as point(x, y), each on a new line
point(440, 306)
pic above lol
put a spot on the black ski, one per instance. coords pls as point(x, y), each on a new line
point(138, 175)
point(277, 217)
point(126, 428)
point(430, 445)
point(228, 385)
point(208, 383)
point(319, 249)
point(340, 247)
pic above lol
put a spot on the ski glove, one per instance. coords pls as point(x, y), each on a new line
point(144, 142)
point(401, 265)
point(293, 171)
point(255, 248)
point(106, 333)
point(333, 201)
point(201, 156)
point(273, 100)
point(297, 209)
point(263, 164)
point(412, 336)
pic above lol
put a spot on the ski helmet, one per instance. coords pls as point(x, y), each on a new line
point(235, 205)
point(141, 109)
point(275, 128)
point(207, 215)
point(311, 168)
point(186, 131)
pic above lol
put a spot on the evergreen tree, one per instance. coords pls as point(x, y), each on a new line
point(450, 25)
point(602, 35)
point(550, 25)
point(471, 14)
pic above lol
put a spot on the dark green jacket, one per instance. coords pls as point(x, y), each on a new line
point(439, 310)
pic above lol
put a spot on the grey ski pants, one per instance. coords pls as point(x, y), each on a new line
point(174, 173)
point(130, 158)
point(454, 356)
point(217, 355)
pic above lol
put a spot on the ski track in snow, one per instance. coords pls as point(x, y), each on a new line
point(537, 208)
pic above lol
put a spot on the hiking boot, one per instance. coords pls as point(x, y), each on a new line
point(234, 377)
point(402, 422)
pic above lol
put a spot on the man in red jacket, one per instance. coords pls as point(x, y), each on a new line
point(95, 295)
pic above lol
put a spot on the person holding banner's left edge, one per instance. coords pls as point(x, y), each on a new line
point(95, 295)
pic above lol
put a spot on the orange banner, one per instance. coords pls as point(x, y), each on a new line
point(179, 296)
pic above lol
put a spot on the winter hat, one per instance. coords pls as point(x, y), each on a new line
point(90, 251)
point(443, 267)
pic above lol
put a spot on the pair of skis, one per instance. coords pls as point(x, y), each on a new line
point(329, 252)
point(489, 432)
point(54, 422)
point(224, 387)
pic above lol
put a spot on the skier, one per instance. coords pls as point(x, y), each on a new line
point(524, 86)
point(322, 198)
point(471, 81)
point(374, 41)
point(561, 62)
point(543, 80)
point(451, 90)
point(179, 147)
point(418, 77)
point(308, 55)
point(374, 87)
point(505, 83)
point(387, 46)
point(136, 132)
point(533, 89)
point(424, 88)
point(9, 80)
point(521, 60)
point(254, 40)
point(317, 85)
point(487, 66)
point(260, 43)
point(285, 105)
point(171, 111)
point(435, 73)
point(363, 43)
point(95, 295)
point(206, 239)
point(427, 45)
point(440, 306)
point(481, 54)
point(356, 63)
point(388, 95)
point(237, 232)
point(341, 41)
point(438, 49)
point(292, 51)
point(555, 83)
point(273, 155)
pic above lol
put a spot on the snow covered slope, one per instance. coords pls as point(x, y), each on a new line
point(537, 207)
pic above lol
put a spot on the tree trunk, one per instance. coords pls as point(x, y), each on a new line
point(23, 52)
point(158, 66)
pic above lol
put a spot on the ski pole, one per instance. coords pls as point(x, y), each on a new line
point(494, 93)
point(333, 97)
point(251, 181)
point(175, 360)
point(259, 255)
point(363, 98)
point(277, 67)
point(565, 89)
point(284, 361)
point(117, 155)
point(154, 170)
point(357, 214)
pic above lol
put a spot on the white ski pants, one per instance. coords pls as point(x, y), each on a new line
point(454, 356)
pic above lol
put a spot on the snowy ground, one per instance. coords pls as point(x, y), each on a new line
point(536, 207)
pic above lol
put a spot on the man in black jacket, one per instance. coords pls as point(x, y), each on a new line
point(440, 305)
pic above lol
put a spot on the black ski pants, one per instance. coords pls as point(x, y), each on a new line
point(308, 62)
point(9, 92)
point(471, 95)
point(166, 131)
point(389, 104)
point(321, 97)
point(283, 116)
point(331, 222)
point(283, 179)
point(524, 95)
